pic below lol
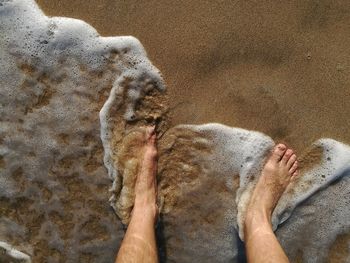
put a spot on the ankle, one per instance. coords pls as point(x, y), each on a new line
point(259, 209)
point(256, 227)
point(258, 232)
point(143, 208)
point(256, 218)
point(145, 199)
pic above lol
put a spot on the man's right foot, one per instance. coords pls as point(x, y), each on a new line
point(279, 170)
point(146, 182)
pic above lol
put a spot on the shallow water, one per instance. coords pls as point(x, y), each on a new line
point(64, 89)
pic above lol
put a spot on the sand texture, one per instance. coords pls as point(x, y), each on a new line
point(281, 68)
point(74, 102)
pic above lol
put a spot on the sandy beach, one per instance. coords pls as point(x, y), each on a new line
point(278, 68)
point(243, 75)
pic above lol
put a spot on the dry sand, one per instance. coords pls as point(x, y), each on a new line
point(279, 68)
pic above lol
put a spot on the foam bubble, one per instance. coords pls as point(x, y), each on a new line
point(56, 74)
point(242, 152)
point(10, 254)
point(206, 172)
point(334, 161)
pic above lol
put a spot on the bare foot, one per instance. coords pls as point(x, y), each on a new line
point(146, 183)
point(279, 170)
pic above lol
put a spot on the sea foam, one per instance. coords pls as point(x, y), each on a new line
point(57, 74)
point(196, 160)
point(10, 254)
point(213, 163)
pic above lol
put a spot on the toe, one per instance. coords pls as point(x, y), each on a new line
point(291, 161)
point(287, 155)
point(278, 152)
point(294, 167)
point(294, 175)
point(150, 134)
point(150, 130)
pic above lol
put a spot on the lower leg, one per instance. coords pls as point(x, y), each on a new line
point(139, 243)
point(261, 242)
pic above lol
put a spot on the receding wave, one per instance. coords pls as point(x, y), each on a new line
point(74, 103)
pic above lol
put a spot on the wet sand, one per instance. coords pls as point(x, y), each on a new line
point(279, 68)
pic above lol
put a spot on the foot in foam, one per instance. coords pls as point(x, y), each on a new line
point(146, 184)
point(279, 170)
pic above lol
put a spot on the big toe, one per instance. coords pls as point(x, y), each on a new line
point(150, 135)
point(278, 152)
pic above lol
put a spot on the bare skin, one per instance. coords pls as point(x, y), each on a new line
point(261, 242)
point(139, 243)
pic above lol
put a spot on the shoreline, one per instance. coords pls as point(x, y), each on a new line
point(223, 64)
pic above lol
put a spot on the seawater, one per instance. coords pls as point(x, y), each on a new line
point(64, 89)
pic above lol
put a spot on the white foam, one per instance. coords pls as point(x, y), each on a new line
point(243, 152)
point(32, 37)
point(77, 40)
point(239, 151)
point(335, 160)
point(136, 91)
point(11, 254)
point(67, 49)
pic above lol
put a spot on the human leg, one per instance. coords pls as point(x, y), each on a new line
point(260, 240)
point(139, 243)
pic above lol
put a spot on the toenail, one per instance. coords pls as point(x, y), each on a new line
point(281, 146)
